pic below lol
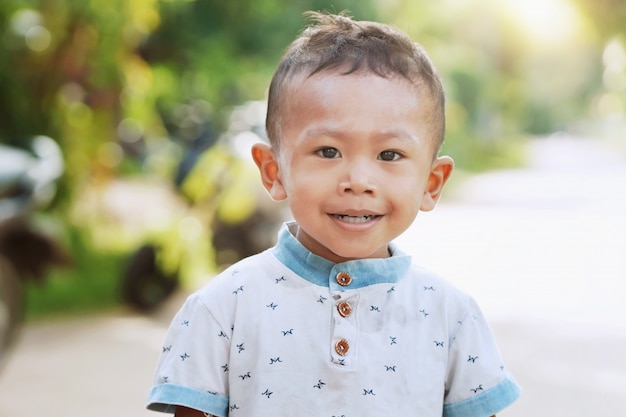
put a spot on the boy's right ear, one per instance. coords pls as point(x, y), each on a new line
point(265, 159)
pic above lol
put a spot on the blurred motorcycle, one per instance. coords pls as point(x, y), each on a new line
point(226, 217)
point(27, 182)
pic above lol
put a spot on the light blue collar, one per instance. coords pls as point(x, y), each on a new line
point(322, 272)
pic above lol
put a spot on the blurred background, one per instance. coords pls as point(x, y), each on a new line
point(125, 182)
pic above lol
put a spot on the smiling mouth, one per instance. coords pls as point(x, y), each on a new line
point(355, 219)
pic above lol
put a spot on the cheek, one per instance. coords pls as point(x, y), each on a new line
point(408, 191)
point(306, 184)
point(300, 181)
point(306, 171)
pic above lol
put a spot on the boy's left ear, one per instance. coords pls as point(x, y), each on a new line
point(440, 172)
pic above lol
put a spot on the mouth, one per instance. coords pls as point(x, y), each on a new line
point(355, 219)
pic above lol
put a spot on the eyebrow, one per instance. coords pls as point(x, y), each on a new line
point(390, 134)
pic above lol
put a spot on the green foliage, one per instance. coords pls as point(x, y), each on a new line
point(91, 284)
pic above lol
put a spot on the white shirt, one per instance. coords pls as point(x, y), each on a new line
point(277, 334)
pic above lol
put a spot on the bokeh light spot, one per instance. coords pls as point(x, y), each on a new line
point(38, 38)
point(130, 130)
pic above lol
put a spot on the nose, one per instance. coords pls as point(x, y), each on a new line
point(358, 178)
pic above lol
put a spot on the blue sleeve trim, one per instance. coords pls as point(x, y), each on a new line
point(166, 397)
point(486, 403)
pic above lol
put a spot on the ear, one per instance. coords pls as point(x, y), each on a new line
point(265, 159)
point(440, 172)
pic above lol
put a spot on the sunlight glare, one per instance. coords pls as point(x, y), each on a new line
point(544, 21)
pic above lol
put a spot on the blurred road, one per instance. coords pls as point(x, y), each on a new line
point(542, 249)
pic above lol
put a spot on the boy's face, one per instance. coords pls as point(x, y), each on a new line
point(355, 162)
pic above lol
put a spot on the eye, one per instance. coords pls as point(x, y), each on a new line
point(329, 153)
point(389, 155)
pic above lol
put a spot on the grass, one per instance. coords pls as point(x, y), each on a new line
point(91, 284)
point(479, 156)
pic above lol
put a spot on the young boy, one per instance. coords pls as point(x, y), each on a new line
point(334, 320)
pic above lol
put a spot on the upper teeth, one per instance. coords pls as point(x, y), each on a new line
point(354, 219)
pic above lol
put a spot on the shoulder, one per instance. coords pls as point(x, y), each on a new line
point(226, 292)
point(247, 276)
point(248, 270)
point(420, 278)
point(424, 289)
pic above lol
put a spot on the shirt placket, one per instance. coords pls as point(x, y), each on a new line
point(344, 334)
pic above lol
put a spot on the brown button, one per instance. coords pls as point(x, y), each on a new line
point(344, 309)
point(342, 347)
point(343, 279)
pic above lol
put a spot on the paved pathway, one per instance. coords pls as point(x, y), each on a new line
point(541, 249)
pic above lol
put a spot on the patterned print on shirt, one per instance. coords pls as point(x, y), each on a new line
point(477, 389)
point(319, 384)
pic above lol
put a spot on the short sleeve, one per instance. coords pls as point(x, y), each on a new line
point(478, 383)
point(192, 370)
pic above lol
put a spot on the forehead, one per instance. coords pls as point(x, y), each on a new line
point(361, 100)
point(319, 83)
